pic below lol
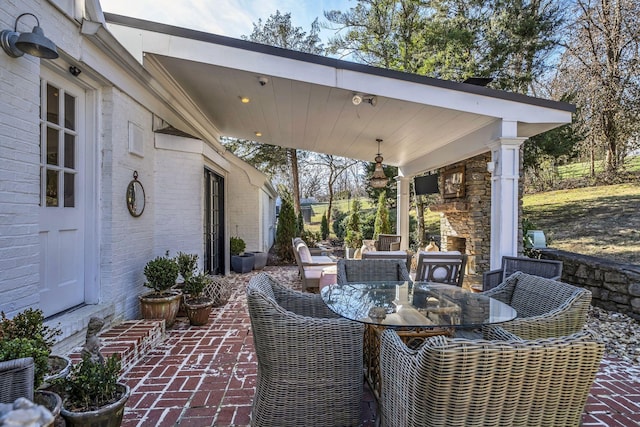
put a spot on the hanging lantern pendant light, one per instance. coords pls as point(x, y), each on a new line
point(378, 179)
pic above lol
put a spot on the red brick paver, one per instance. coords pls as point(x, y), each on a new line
point(205, 375)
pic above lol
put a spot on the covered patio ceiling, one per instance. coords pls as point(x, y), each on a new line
point(304, 101)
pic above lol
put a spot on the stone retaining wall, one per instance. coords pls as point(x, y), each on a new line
point(615, 286)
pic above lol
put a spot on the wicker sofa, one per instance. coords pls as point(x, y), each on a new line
point(460, 382)
point(309, 359)
point(546, 308)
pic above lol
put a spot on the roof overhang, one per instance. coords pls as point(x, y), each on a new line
point(306, 101)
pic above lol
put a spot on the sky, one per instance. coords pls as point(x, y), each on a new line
point(232, 18)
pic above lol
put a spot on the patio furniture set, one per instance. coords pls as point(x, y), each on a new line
point(526, 361)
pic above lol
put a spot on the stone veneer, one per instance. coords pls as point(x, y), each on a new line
point(465, 222)
point(615, 286)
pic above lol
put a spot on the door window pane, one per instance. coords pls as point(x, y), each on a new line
point(52, 146)
point(69, 151)
point(53, 99)
point(69, 190)
point(52, 187)
point(69, 111)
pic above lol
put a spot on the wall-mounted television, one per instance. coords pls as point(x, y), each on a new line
point(427, 184)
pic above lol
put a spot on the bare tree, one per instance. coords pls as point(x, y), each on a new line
point(336, 166)
point(600, 67)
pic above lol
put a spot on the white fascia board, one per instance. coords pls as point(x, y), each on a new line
point(448, 98)
point(139, 42)
point(256, 177)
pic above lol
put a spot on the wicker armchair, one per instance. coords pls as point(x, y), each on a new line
point(16, 379)
point(388, 242)
point(460, 382)
point(546, 308)
point(441, 267)
point(309, 359)
point(366, 270)
point(538, 267)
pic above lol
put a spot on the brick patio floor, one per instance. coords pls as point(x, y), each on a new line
point(205, 376)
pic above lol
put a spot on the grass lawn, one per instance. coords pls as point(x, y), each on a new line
point(602, 221)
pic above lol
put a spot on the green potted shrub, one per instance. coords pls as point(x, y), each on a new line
point(187, 266)
point(196, 304)
point(241, 262)
point(163, 301)
point(26, 335)
point(91, 394)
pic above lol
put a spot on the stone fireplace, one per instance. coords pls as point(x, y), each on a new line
point(465, 213)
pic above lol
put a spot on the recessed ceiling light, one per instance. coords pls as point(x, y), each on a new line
point(258, 133)
point(244, 100)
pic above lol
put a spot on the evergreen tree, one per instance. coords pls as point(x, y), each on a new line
point(353, 238)
point(382, 225)
point(324, 227)
point(299, 224)
point(286, 231)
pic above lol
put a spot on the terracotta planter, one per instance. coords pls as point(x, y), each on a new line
point(107, 416)
point(198, 310)
point(161, 307)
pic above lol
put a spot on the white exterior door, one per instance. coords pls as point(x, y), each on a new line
point(62, 194)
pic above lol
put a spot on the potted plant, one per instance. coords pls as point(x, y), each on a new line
point(91, 394)
point(353, 238)
point(196, 304)
point(187, 265)
point(163, 301)
point(26, 335)
point(241, 262)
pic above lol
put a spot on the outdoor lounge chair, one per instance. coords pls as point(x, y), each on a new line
point(460, 382)
point(309, 359)
point(546, 308)
point(441, 267)
point(550, 269)
point(311, 267)
point(367, 270)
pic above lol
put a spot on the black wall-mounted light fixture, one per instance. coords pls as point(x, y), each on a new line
point(16, 44)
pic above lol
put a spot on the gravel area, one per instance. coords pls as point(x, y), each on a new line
point(620, 333)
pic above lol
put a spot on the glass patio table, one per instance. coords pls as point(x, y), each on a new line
point(416, 311)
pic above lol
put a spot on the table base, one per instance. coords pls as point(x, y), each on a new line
point(412, 337)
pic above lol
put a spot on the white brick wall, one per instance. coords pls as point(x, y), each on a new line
point(19, 174)
point(179, 211)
